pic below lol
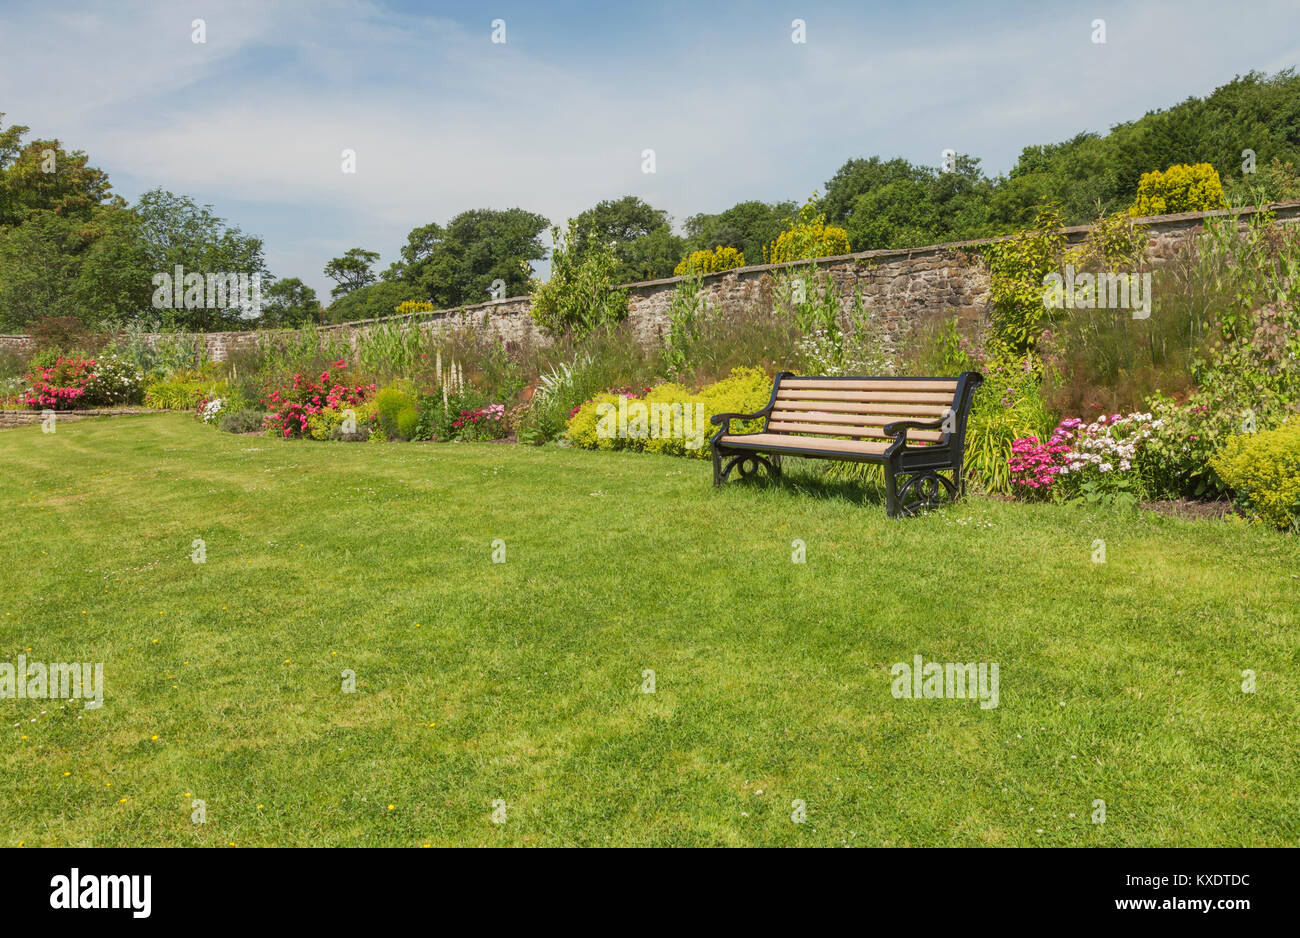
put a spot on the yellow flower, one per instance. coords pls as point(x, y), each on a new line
point(390, 807)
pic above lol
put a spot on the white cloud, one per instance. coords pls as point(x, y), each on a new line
point(443, 120)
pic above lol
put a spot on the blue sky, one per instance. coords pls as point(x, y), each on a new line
point(555, 119)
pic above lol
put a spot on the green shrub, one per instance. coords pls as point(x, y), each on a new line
point(47, 357)
point(396, 413)
point(1263, 472)
point(117, 381)
point(582, 293)
point(242, 421)
point(439, 417)
point(1008, 406)
point(1017, 268)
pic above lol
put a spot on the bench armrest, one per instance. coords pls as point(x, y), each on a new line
point(898, 429)
point(902, 426)
point(724, 420)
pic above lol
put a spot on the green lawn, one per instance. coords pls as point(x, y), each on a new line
point(522, 681)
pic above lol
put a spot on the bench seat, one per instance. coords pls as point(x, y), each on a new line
point(784, 442)
point(914, 427)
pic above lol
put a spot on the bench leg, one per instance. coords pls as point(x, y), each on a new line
point(891, 491)
point(775, 461)
point(717, 468)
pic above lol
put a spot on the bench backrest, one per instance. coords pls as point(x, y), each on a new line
point(861, 407)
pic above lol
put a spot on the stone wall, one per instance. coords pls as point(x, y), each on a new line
point(902, 288)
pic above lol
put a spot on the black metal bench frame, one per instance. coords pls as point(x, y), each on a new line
point(913, 479)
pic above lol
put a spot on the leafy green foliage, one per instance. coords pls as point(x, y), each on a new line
point(1017, 267)
point(744, 391)
point(374, 301)
point(396, 413)
point(747, 227)
point(1262, 470)
point(639, 235)
point(581, 294)
point(923, 206)
point(807, 237)
point(351, 271)
point(457, 265)
point(289, 302)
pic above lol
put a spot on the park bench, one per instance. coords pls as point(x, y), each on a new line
point(914, 427)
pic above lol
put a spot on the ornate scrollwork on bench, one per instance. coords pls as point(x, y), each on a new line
point(923, 491)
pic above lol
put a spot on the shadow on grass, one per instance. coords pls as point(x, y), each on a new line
point(856, 483)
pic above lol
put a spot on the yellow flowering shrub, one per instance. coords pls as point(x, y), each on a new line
point(744, 391)
point(807, 238)
point(1262, 470)
point(1180, 188)
point(708, 262)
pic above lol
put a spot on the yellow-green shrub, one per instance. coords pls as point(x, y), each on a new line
point(183, 390)
point(1263, 472)
point(582, 425)
point(708, 262)
point(328, 423)
point(744, 391)
point(807, 238)
point(1180, 188)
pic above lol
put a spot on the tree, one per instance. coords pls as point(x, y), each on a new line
point(289, 302)
point(926, 206)
point(459, 264)
point(42, 176)
point(175, 231)
point(640, 236)
point(372, 301)
point(94, 270)
point(748, 227)
point(859, 177)
point(351, 271)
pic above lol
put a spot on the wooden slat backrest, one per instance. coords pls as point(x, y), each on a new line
point(860, 407)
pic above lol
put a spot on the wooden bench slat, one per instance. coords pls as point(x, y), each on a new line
point(872, 384)
point(902, 397)
point(821, 416)
point(874, 407)
point(783, 440)
point(783, 426)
